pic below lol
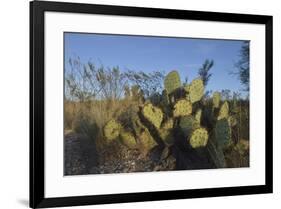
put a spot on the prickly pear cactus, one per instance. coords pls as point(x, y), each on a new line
point(216, 153)
point(196, 90)
point(182, 108)
point(224, 110)
point(216, 99)
point(199, 138)
point(137, 125)
point(112, 129)
point(222, 132)
point(144, 137)
point(168, 124)
point(128, 139)
point(187, 124)
point(198, 116)
point(167, 137)
point(166, 132)
point(172, 81)
point(153, 114)
point(232, 121)
point(165, 97)
point(146, 140)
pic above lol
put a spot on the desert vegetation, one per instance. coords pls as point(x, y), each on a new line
point(132, 121)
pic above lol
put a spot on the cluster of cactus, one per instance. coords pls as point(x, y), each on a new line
point(181, 108)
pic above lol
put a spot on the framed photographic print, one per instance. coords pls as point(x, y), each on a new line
point(135, 104)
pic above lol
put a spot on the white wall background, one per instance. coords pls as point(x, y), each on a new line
point(14, 102)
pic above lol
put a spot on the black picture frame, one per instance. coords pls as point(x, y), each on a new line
point(37, 115)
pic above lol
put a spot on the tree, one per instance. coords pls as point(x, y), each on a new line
point(225, 94)
point(243, 65)
point(80, 82)
point(204, 73)
point(149, 83)
point(85, 82)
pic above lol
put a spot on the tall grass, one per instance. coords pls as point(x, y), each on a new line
point(89, 118)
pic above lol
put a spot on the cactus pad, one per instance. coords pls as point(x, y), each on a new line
point(187, 124)
point(198, 116)
point(172, 81)
point(223, 132)
point(165, 97)
point(182, 108)
point(232, 121)
point(216, 99)
point(196, 90)
point(153, 114)
point(166, 132)
point(168, 124)
point(199, 138)
point(224, 110)
point(167, 136)
point(112, 129)
point(128, 139)
point(146, 140)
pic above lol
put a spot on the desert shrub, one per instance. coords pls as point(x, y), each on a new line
point(85, 125)
point(70, 112)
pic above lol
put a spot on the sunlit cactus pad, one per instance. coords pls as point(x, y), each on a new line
point(199, 138)
point(216, 99)
point(112, 129)
point(172, 81)
point(182, 108)
point(153, 114)
point(224, 110)
point(196, 90)
point(198, 116)
point(168, 124)
point(232, 121)
point(146, 140)
point(128, 139)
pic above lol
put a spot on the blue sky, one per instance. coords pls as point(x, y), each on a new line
point(158, 53)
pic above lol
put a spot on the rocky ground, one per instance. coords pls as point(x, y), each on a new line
point(81, 157)
point(79, 154)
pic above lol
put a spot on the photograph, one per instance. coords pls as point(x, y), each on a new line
point(137, 103)
point(148, 103)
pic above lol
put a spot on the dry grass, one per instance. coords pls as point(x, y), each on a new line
point(90, 117)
